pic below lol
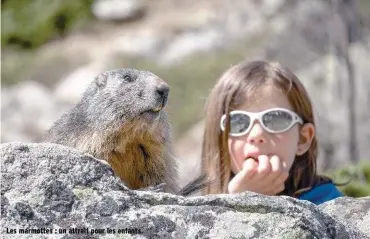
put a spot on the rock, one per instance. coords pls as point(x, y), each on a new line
point(299, 43)
point(327, 83)
point(118, 10)
point(28, 109)
point(140, 43)
point(237, 21)
point(52, 186)
point(349, 212)
point(189, 43)
point(271, 7)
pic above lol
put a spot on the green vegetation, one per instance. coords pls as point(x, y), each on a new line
point(46, 67)
point(29, 24)
point(26, 25)
point(364, 8)
point(14, 65)
point(359, 185)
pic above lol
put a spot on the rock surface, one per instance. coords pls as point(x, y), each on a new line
point(118, 10)
point(52, 186)
point(27, 108)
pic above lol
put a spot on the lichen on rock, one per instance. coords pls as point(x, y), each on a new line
point(53, 186)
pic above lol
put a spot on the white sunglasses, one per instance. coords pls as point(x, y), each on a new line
point(275, 120)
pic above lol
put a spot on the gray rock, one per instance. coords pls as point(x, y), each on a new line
point(300, 43)
point(144, 43)
point(189, 43)
point(52, 186)
point(237, 21)
point(352, 213)
point(327, 83)
point(27, 110)
point(118, 10)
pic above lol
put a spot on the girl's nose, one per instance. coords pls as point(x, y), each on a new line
point(256, 134)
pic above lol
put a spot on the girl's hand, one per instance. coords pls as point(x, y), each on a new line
point(267, 176)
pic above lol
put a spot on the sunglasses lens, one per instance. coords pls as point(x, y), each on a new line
point(239, 123)
point(277, 120)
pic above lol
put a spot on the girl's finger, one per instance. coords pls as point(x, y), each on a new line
point(276, 168)
point(264, 166)
point(277, 184)
point(276, 164)
point(249, 168)
point(243, 180)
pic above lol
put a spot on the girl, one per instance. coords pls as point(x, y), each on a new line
point(260, 135)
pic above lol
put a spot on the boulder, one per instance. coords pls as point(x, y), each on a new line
point(118, 10)
point(356, 212)
point(27, 110)
point(55, 188)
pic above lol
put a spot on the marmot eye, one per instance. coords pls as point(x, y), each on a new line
point(128, 78)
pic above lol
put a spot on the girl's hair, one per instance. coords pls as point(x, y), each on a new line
point(235, 87)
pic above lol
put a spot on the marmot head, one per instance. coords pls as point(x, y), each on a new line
point(123, 95)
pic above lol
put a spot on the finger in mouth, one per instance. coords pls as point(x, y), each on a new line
point(255, 159)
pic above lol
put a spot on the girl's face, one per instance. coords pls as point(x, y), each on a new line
point(257, 141)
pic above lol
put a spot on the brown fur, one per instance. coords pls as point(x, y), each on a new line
point(148, 168)
point(114, 121)
point(140, 157)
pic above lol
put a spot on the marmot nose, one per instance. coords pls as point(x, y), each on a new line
point(162, 90)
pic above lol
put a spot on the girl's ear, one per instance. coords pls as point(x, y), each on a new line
point(306, 134)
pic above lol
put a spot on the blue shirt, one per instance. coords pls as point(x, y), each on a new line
point(321, 193)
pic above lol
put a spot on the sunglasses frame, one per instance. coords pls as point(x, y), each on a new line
point(258, 116)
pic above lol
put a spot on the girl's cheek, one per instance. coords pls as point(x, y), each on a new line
point(236, 165)
point(236, 156)
point(289, 141)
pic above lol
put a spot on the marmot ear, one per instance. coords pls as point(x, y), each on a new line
point(101, 80)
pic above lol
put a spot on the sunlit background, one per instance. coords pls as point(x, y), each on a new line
point(52, 49)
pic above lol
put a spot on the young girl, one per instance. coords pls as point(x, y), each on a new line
point(260, 135)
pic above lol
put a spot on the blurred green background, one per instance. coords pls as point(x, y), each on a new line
point(358, 176)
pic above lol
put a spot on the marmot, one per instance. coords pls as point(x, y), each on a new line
point(120, 119)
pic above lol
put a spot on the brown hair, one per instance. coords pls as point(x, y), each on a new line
point(237, 83)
